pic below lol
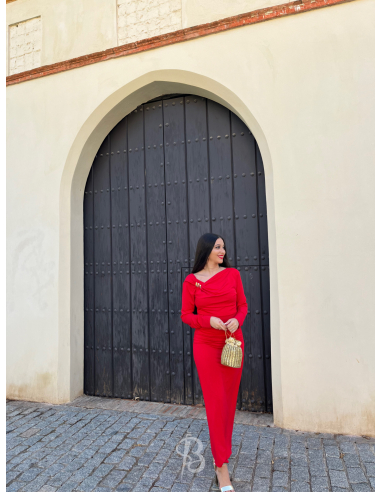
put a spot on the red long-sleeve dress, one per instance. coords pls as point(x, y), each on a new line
point(222, 296)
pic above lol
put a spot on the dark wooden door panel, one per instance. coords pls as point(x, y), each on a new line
point(170, 171)
point(120, 255)
point(103, 285)
point(157, 253)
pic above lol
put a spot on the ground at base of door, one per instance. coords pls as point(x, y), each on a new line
point(108, 444)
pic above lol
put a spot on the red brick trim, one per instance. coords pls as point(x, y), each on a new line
point(179, 36)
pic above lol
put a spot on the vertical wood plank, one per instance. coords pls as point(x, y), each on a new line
point(157, 252)
point(102, 256)
point(177, 234)
point(245, 196)
point(138, 245)
point(120, 257)
point(221, 187)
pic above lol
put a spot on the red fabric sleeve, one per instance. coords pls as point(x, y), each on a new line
point(187, 308)
point(241, 300)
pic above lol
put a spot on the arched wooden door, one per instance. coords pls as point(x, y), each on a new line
point(170, 171)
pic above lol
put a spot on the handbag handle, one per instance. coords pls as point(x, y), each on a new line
point(231, 335)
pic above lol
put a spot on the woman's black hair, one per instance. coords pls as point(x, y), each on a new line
point(204, 248)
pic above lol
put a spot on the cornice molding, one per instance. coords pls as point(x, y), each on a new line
point(249, 18)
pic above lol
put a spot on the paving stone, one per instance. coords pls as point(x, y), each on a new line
point(68, 486)
point(103, 470)
point(314, 443)
point(29, 475)
point(300, 487)
point(153, 470)
point(366, 453)
point(332, 451)
point(116, 456)
point(166, 479)
point(243, 474)
point(146, 458)
point(266, 443)
point(113, 478)
point(356, 475)
point(264, 456)
point(338, 479)
point(319, 484)
point(200, 485)
point(298, 448)
point(317, 469)
point(89, 484)
point(370, 469)
point(315, 454)
point(263, 470)
point(47, 488)
point(246, 460)
point(36, 484)
point(299, 473)
point(15, 486)
point(137, 451)
point(348, 447)
point(280, 479)
point(180, 487)
point(12, 475)
point(127, 463)
point(361, 487)
point(280, 452)
point(298, 460)
point(124, 487)
point(281, 464)
point(73, 448)
point(335, 463)
point(143, 485)
point(351, 460)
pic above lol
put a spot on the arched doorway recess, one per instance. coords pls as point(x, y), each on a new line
point(173, 169)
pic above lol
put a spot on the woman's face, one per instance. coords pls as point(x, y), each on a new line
point(218, 252)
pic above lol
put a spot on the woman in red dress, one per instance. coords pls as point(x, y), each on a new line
point(215, 289)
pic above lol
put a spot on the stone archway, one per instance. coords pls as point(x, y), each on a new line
point(78, 164)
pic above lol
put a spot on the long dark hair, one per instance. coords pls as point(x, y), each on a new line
point(204, 247)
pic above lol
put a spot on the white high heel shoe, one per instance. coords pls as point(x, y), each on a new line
point(216, 485)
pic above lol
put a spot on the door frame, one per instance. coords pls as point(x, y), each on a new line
point(77, 166)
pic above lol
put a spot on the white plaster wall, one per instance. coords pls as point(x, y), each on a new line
point(71, 28)
point(305, 86)
point(79, 27)
point(200, 11)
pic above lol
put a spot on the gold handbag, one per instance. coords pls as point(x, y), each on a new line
point(232, 352)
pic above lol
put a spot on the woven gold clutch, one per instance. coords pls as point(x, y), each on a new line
point(232, 352)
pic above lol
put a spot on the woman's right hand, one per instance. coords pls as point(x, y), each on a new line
point(217, 323)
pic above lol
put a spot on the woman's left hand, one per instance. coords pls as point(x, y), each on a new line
point(232, 325)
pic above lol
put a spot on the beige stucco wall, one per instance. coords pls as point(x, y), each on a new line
point(305, 86)
point(72, 28)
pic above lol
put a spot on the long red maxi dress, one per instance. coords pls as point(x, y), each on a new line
point(222, 296)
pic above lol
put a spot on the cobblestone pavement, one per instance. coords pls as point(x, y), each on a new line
point(109, 444)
